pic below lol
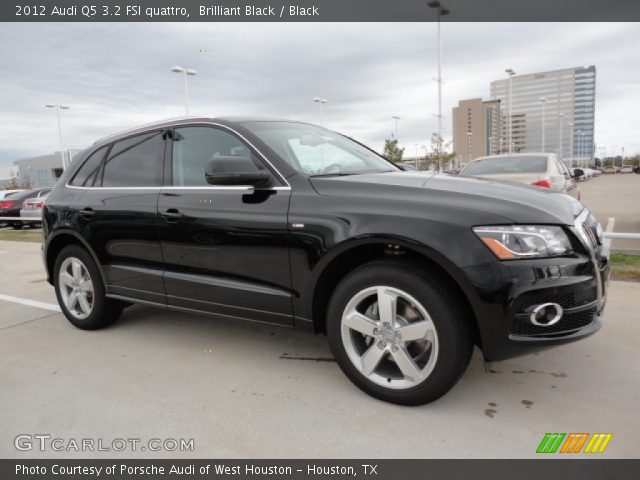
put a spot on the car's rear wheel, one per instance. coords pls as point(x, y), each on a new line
point(398, 332)
point(80, 290)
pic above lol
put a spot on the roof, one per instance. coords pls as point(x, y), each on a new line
point(186, 119)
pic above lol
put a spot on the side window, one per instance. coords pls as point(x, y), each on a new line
point(193, 147)
point(135, 162)
point(88, 172)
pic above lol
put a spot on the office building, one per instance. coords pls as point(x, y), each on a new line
point(561, 100)
point(476, 129)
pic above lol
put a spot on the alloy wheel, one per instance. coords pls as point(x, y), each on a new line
point(389, 337)
point(76, 288)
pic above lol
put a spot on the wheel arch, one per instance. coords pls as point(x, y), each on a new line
point(60, 240)
point(355, 252)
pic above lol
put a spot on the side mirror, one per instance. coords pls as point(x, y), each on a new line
point(235, 171)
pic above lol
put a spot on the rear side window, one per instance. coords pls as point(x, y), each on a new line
point(135, 162)
point(193, 147)
point(88, 172)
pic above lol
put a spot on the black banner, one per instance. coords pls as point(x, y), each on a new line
point(317, 11)
point(542, 469)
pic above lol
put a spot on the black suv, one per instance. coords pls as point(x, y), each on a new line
point(295, 225)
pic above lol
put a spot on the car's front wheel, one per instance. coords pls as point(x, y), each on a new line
point(80, 290)
point(398, 332)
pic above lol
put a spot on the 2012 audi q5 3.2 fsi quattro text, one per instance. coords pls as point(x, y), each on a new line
point(295, 225)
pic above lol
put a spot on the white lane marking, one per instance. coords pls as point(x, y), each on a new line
point(609, 229)
point(30, 303)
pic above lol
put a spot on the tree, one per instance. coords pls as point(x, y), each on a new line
point(392, 152)
point(436, 157)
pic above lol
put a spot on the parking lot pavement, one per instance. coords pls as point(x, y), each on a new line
point(615, 196)
point(251, 390)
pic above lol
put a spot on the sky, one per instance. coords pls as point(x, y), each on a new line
point(116, 76)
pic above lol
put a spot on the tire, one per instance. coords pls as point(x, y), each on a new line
point(88, 284)
point(16, 226)
point(405, 366)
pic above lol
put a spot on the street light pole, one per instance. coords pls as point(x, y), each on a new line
point(571, 125)
point(441, 11)
point(511, 73)
point(396, 118)
point(469, 146)
point(321, 101)
point(185, 72)
point(561, 117)
point(58, 108)
point(543, 100)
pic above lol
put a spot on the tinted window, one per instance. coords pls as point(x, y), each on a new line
point(193, 147)
point(88, 172)
point(497, 165)
point(135, 162)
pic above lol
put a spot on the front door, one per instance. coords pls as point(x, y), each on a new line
point(225, 248)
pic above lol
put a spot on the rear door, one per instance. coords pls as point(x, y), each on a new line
point(225, 247)
point(117, 213)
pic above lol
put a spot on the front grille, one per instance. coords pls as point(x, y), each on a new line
point(566, 301)
point(568, 323)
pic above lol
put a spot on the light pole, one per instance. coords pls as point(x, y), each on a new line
point(58, 108)
point(441, 12)
point(571, 125)
point(579, 132)
point(396, 118)
point(543, 100)
point(560, 151)
point(490, 145)
point(469, 146)
point(321, 102)
point(185, 72)
point(511, 73)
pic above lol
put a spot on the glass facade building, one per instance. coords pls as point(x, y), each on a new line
point(564, 99)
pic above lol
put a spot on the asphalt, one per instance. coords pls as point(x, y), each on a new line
point(242, 390)
point(617, 196)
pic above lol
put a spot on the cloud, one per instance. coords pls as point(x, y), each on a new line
point(115, 76)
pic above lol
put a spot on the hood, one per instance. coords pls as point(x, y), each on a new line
point(512, 202)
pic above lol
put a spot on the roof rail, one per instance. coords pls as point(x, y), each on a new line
point(147, 125)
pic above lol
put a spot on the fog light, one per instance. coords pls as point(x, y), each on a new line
point(546, 314)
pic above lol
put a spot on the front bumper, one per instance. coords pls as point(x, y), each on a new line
point(577, 283)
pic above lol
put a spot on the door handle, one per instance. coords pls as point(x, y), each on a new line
point(87, 212)
point(172, 214)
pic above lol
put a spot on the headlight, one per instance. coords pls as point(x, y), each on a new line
point(525, 241)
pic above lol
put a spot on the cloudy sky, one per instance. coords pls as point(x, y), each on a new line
point(115, 76)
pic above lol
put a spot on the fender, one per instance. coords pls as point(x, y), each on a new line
point(82, 241)
point(431, 254)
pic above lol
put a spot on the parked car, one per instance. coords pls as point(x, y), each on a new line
point(7, 193)
point(579, 174)
point(11, 206)
point(295, 225)
point(610, 170)
point(543, 170)
point(32, 208)
point(626, 169)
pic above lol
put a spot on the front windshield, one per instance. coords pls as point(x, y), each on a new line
point(317, 151)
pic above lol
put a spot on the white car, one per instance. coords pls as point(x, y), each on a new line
point(626, 169)
point(544, 170)
point(7, 193)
